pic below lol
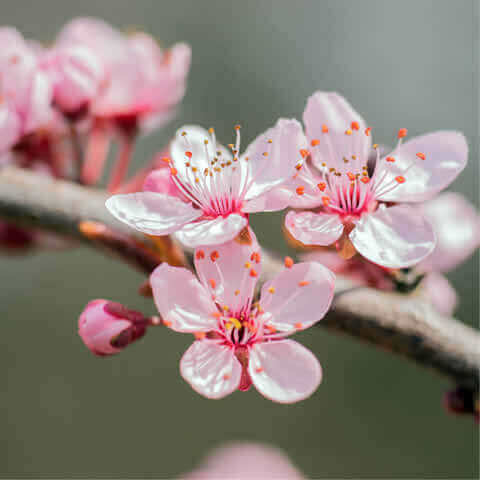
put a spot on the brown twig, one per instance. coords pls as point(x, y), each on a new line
point(402, 324)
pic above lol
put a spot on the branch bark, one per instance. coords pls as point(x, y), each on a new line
point(402, 324)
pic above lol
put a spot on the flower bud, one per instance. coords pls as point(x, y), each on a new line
point(107, 327)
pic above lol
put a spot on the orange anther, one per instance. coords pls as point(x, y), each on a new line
point(351, 176)
point(227, 376)
point(314, 142)
point(367, 131)
point(365, 179)
point(289, 262)
point(355, 126)
point(298, 166)
point(216, 315)
point(259, 370)
point(298, 325)
point(390, 159)
point(421, 156)
point(324, 129)
point(200, 335)
point(237, 127)
point(167, 323)
point(300, 190)
point(237, 292)
point(326, 201)
point(303, 283)
point(188, 154)
point(173, 171)
point(165, 159)
point(211, 130)
point(304, 153)
point(214, 255)
point(402, 133)
point(271, 290)
point(253, 273)
point(322, 186)
point(400, 179)
point(212, 283)
point(348, 132)
point(270, 328)
point(255, 256)
point(199, 254)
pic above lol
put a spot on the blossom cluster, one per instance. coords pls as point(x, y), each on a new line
point(365, 211)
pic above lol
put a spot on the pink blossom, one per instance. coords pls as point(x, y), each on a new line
point(245, 461)
point(239, 341)
point(222, 188)
point(108, 327)
point(140, 80)
point(25, 90)
point(353, 200)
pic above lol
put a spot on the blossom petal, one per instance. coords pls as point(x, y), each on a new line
point(396, 237)
point(284, 371)
point(160, 181)
point(329, 110)
point(211, 369)
point(212, 232)
point(446, 154)
point(275, 199)
point(282, 154)
point(152, 213)
point(439, 292)
point(457, 226)
point(314, 228)
point(298, 296)
point(182, 301)
point(230, 270)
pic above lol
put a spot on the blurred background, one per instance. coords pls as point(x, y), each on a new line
point(65, 413)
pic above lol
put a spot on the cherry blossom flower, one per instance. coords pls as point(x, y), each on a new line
point(245, 461)
point(362, 207)
point(456, 224)
point(136, 85)
point(25, 91)
point(221, 188)
point(239, 341)
point(107, 327)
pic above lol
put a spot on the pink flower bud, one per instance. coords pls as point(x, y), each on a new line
point(107, 327)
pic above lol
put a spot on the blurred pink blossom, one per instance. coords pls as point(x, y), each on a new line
point(353, 200)
point(107, 327)
point(245, 461)
point(240, 342)
point(222, 189)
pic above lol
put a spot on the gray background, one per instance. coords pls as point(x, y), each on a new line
point(65, 413)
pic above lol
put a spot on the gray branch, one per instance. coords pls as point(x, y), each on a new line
point(399, 323)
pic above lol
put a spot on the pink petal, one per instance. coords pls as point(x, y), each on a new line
point(332, 110)
point(314, 228)
point(232, 268)
point(211, 369)
point(457, 226)
point(152, 213)
point(182, 301)
point(10, 126)
point(439, 292)
point(283, 153)
point(395, 237)
point(446, 154)
point(38, 110)
point(160, 181)
point(298, 296)
point(275, 199)
point(242, 461)
point(284, 371)
point(211, 232)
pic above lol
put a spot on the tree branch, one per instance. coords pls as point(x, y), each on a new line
point(402, 324)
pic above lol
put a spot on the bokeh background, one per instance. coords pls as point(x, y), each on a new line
point(65, 413)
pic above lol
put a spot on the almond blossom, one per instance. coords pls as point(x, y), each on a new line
point(210, 190)
point(362, 207)
point(240, 341)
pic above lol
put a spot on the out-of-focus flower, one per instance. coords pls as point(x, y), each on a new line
point(132, 84)
point(108, 327)
point(240, 342)
point(461, 401)
point(245, 461)
point(354, 199)
point(221, 189)
point(25, 90)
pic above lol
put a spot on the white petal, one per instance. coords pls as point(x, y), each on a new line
point(152, 213)
point(211, 232)
point(396, 237)
point(284, 371)
point(211, 369)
